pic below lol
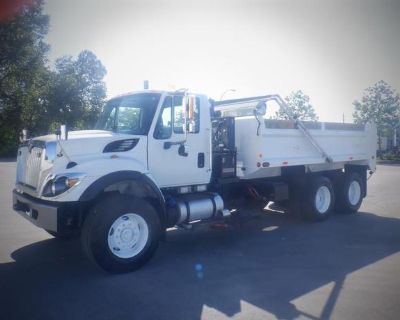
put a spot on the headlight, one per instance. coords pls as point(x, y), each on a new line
point(61, 183)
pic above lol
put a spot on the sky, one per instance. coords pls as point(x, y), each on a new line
point(331, 50)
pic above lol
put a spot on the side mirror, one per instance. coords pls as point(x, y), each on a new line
point(261, 108)
point(191, 114)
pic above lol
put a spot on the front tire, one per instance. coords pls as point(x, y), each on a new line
point(121, 233)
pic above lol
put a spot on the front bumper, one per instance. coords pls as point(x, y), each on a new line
point(53, 216)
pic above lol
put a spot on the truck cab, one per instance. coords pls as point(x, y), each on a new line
point(146, 147)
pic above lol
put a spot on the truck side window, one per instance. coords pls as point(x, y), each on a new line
point(163, 128)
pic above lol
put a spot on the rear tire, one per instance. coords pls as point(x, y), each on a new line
point(349, 193)
point(319, 199)
point(121, 233)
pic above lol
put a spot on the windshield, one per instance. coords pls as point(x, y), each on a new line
point(129, 114)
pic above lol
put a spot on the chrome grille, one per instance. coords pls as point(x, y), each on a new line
point(29, 163)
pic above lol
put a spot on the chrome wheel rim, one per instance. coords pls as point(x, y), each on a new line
point(322, 199)
point(128, 235)
point(354, 192)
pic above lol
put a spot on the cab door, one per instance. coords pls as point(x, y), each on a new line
point(176, 158)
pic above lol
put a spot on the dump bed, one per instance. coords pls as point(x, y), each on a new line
point(265, 146)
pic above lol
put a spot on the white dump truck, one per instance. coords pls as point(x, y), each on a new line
point(158, 159)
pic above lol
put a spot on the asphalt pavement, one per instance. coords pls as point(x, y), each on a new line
point(264, 265)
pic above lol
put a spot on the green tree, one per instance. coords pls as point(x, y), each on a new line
point(32, 96)
point(24, 78)
point(299, 104)
point(380, 104)
point(78, 92)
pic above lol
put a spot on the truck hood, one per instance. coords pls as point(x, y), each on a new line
point(84, 143)
point(85, 150)
point(78, 134)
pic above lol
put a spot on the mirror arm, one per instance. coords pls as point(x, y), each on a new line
point(256, 115)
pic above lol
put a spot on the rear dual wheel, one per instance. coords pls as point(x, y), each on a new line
point(319, 199)
point(349, 193)
point(316, 198)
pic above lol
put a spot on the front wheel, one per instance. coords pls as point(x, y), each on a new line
point(121, 233)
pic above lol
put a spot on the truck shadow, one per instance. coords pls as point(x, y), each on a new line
point(265, 261)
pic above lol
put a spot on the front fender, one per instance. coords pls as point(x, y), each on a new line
point(94, 170)
point(105, 165)
point(97, 187)
point(100, 184)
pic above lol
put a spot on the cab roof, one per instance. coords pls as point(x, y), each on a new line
point(176, 92)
